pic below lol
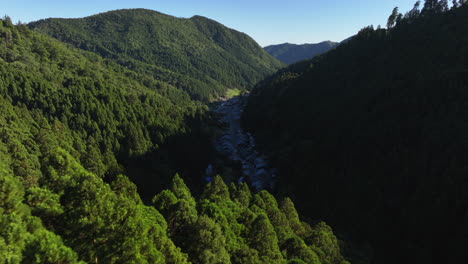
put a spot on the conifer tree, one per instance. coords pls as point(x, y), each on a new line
point(442, 6)
point(287, 207)
point(398, 19)
point(263, 238)
point(181, 191)
point(245, 255)
point(430, 7)
point(216, 190)
point(325, 244)
point(92, 158)
point(392, 18)
point(242, 195)
point(164, 201)
point(7, 21)
point(295, 248)
point(414, 12)
point(208, 243)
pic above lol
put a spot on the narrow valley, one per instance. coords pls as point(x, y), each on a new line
point(239, 145)
point(135, 136)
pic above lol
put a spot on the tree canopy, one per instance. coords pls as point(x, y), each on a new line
point(69, 120)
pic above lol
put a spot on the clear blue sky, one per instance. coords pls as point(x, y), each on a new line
point(268, 22)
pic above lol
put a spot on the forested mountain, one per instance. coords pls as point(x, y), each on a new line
point(114, 115)
point(197, 55)
point(67, 119)
point(291, 53)
point(373, 135)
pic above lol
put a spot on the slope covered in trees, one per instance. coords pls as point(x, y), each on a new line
point(114, 114)
point(375, 134)
point(233, 225)
point(67, 120)
point(291, 53)
point(197, 55)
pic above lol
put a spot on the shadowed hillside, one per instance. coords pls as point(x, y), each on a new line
point(373, 135)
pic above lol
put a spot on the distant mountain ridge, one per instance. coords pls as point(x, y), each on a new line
point(290, 53)
point(197, 54)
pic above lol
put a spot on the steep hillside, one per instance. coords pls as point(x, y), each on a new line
point(117, 116)
point(107, 107)
point(291, 53)
point(198, 55)
point(373, 136)
point(67, 117)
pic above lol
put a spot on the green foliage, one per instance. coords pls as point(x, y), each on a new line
point(95, 99)
point(292, 217)
point(111, 116)
point(263, 239)
point(216, 190)
point(221, 230)
point(197, 55)
point(242, 195)
point(230, 93)
point(297, 250)
point(80, 215)
point(164, 201)
point(109, 227)
point(373, 135)
point(325, 243)
point(23, 239)
point(181, 191)
point(210, 243)
point(122, 186)
point(47, 247)
point(71, 122)
point(44, 202)
point(61, 107)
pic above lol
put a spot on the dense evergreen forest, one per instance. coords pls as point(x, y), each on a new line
point(197, 55)
point(116, 116)
point(291, 53)
point(69, 122)
point(373, 135)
